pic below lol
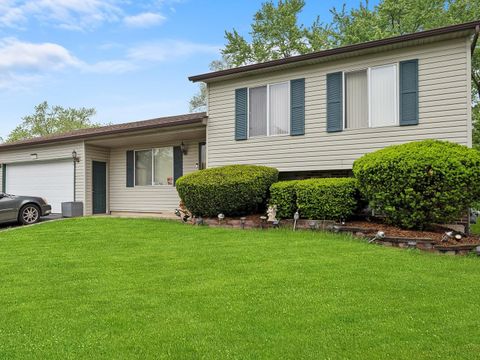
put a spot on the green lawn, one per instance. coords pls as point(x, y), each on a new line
point(118, 288)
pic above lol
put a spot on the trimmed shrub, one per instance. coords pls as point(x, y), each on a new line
point(284, 195)
point(329, 198)
point(419, 183)
point(231, 190)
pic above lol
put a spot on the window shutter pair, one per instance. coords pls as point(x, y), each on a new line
point(177, 165)
point(408, 97)
point(297, 110)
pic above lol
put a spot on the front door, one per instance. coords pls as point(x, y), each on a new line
point(99, 187)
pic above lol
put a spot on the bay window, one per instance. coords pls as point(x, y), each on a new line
point(154, 167)
point(269, 110)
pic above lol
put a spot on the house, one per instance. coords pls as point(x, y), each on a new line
point(307, 115)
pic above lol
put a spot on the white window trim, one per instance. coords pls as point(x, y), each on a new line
point(153, 167)
point(268, 110)
point(396, 99)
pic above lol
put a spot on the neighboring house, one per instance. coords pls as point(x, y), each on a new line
point(308, 115)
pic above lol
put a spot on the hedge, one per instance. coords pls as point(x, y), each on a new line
point(329, 198)
point(420, 183)
point(283, 194)
point(324, 198)
point(231, 190)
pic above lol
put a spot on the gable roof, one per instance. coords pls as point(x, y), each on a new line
point(81, 134)
point(470, 26)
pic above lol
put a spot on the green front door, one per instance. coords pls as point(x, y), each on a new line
point(99, 187)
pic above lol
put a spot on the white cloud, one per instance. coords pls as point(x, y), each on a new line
point(78, 15)
point(15, 54)
point(23, 63)
point(170, 50)
point(146, 19)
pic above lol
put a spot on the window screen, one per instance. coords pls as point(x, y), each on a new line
point(356, 100)
point(143, 167)
point(257, 106)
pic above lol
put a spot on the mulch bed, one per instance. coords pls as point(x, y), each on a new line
point(395, 232)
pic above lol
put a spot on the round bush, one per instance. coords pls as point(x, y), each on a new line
point(420, 183)
point(231, 190)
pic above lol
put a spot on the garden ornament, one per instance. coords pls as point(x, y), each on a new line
point(378, 236)
point(272, 213)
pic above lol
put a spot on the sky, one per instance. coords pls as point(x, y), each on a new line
point(128, 59)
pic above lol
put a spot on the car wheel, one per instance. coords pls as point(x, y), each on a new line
point(29, 214)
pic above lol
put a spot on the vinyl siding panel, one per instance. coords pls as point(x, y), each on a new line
point(145, 198)
point(444, 101)
point(93, 153)
point(48, 153)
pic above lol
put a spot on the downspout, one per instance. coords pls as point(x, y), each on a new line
point(475, 39)
point(472, 53)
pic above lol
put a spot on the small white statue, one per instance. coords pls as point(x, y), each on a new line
point(272, 213)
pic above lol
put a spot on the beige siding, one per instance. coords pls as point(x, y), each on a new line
point(93, 153)
point(444, 101)
point(146, 198)
point(49, 153)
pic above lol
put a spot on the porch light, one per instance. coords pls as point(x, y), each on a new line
point(220, 218)
point(75, 156)
point(183, 148)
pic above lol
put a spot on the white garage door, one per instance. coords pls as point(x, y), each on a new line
point(50, 180)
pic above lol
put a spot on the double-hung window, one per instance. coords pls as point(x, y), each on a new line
point(371, 97)
point(154, 167)
point(269, 110)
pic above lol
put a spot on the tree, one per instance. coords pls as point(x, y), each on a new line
point(52, 120)
point(276, 34)
point(199, 101)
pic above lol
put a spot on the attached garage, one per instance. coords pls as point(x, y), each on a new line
point(52, 180)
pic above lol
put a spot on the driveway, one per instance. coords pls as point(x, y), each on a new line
point(42, 219)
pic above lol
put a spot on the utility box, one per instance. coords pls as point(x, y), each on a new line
point(72, 209)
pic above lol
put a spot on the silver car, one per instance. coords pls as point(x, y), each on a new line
point(23, 209)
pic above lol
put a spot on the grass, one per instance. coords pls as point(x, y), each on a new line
point(118, 288)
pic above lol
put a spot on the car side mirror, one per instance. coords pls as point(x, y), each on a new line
point(2, 195)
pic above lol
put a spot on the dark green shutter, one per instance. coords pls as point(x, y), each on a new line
point(335, 102)
point(177, 163)
point(409, 92)
point(241, 109)
point(4, 178)
point(297, 107)
point(130, 168)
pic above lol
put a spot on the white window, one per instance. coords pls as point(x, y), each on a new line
point(269, 110)
point(143, 167)
point(154, 167)
point(356, 99)
point(371, 97)
point(163, 166)
point(257, 111)
point(383, 96)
